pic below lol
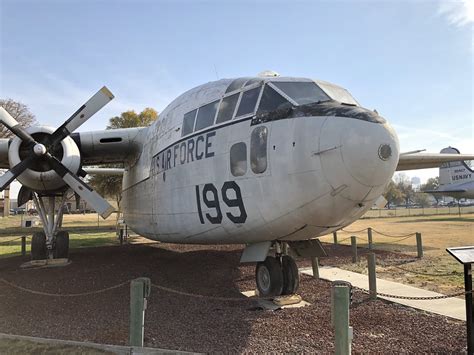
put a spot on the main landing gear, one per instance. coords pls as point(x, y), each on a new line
point(277, 275)
point(52, 243)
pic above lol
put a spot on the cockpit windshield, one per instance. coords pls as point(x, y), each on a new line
point(337, 93)
point(302, 92)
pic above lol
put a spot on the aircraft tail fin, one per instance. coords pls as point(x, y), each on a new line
point(454, 172)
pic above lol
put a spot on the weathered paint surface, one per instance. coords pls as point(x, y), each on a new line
point(323, 172)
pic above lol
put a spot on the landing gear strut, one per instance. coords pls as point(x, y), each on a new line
point(277, 275)
point(51, 243)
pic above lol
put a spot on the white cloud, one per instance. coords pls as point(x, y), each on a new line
point(458, 13)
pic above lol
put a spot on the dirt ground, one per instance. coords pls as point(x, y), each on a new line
point(183, 322)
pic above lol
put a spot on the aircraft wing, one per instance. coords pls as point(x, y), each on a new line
point(443, 192)
point(412, 161)
point(98, 147)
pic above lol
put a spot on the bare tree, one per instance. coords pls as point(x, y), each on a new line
point(19, 112)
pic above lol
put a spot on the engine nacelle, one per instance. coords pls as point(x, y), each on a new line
point(41, 177)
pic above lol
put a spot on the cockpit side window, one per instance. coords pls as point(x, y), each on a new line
point(271, 101)
point(302, 92)
point(206, 114)
point(227, 108)
point(248, 101)
point(188, 123)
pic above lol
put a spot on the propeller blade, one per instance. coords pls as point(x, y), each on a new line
point(86, 111)
point(15, 127)
point(82, 189)
point(24, 195)
point(14, 172)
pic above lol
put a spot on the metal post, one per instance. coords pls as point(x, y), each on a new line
point(334, 236)
point(469, 308)
point(139, 290)
point(419, 245)
point(372, 276)
point(315, 265)
point(6, 202)
point(121, 235)
point(369, 237)
point(342, 339)
point(23, 245)
point(354, 248)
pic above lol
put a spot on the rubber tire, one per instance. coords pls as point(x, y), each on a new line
point(38, 246)
point(61, 250)
point(291, 276)
point(272, 268)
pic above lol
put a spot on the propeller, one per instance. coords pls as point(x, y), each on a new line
point(39, 151)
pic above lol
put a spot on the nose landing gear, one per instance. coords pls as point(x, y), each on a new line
point(277, 275)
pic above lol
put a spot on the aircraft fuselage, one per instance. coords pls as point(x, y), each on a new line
point(287, 174)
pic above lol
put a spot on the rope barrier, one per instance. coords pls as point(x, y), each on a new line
point(394, 236)
point(422, 273)
point(9, 241)
point(397, 241)
point(64, 294)
point(343, 240)
point(358, 231)
point(217, 298)
point(417, 298)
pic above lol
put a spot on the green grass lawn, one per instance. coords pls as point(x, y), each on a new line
point(85, 230)
point(11, 246)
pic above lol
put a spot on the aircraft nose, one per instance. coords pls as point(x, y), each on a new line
point(357, 157)
point(370, 152)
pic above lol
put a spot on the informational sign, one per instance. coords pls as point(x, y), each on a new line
point(465, 255)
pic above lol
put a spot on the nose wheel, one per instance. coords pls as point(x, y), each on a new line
point(277, 276)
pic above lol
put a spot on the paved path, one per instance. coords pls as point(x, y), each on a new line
point(452, 307)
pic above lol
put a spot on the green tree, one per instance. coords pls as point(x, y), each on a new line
point(111, 186)
point(404, 185)
point(19, 112)
point(421, 199)
point(432, 184)
point(392, 194)
point(130, 119)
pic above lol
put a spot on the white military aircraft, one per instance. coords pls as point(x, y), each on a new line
point(456, 179)
point(265, 161)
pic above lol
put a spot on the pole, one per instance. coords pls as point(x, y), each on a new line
point(419, 245)
point(369, 237)
point(315, 265)
point(6, 202)
point(334, 236)
point(23, 245)
point(139, 290)
point(121, 235)
point(469, 308)
point(354, 248)
point(372, 276)
point(342, 341)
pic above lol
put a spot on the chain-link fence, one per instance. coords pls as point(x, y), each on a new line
point(419, 211)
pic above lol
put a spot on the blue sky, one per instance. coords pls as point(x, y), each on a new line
point(411, 60)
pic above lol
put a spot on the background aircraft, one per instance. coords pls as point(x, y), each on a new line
point(456, 179)
point(265, 161)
